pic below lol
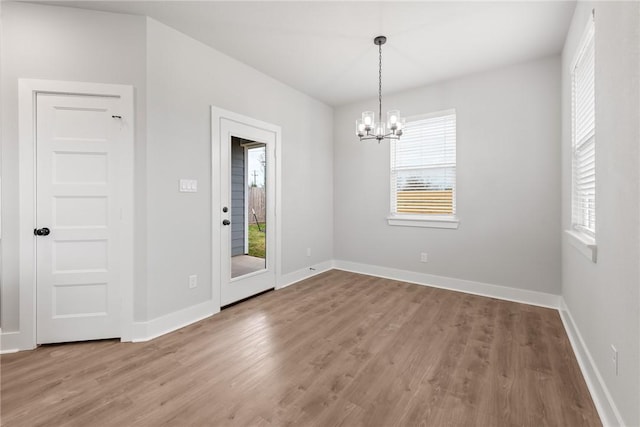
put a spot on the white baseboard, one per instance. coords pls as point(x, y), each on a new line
point(477, 288)
point(304, 273)
point(609, 414)
point(11, 342)
point(607, 410)
point(145, 331)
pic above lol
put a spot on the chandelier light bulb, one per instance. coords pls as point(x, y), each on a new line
point(400, 126)
point(369, 119)
point(360, 128)
point(392, 119)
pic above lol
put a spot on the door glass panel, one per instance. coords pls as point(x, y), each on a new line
point(248, 207)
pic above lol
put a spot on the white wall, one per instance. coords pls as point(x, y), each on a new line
point(603, 298)
point(42, 42)
point(184, 78)
point(508, 131)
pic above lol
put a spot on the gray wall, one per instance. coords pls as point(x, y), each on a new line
point(41, 42)
point(603, 298)
point(238, 187)
point(185, 77)
point(508, 170)
point(176, 80)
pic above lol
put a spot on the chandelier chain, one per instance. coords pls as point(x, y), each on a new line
point(380, 82)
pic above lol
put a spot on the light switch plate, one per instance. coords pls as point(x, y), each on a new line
point(188, 186)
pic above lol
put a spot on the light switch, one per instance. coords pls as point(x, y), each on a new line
point(188, 185)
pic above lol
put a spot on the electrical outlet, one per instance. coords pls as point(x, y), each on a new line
point(424, 257)
point(308, 251)
point(193, 281)
point(614, 358)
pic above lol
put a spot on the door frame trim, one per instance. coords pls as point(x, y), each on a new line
point(217, 114)
point(27, 91)
point(246, 201)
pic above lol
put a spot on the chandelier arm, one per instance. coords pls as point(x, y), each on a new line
point(389, 136)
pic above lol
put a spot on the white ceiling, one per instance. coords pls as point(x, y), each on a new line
point(325, 49)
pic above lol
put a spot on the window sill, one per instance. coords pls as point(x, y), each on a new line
point(424, 221)
point(586, 245)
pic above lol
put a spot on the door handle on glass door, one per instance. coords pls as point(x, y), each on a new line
point(226, 222)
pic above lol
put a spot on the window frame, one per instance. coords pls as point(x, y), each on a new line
point(579, 235)
point(449, 221)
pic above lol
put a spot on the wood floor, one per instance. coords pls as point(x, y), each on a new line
point(337, 349)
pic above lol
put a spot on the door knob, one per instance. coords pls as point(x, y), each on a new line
point(41, 231)
point(224, 222)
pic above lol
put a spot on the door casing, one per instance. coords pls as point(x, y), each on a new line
point(27, 91)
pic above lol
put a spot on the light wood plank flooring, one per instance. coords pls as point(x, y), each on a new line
point(337, 349)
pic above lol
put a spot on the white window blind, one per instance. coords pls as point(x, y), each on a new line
point(423, 166)
point(583, 136)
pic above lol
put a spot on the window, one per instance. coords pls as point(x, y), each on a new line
point(423, 172)
point(583, 137)
point(582, 234)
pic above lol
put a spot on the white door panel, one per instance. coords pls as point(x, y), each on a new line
point(77, 199)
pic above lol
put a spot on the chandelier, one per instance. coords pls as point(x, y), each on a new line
point(367, 127)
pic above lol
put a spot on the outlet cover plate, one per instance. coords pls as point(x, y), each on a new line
point(193, 281)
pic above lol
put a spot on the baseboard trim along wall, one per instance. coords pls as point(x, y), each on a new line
point(609, 414)
point(302, 274)
point(145, 331)
point(476, 288)
point(607, 410)
point(11, 342)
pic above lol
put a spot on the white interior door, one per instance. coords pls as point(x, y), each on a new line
point(77, 201)
point(234, 286)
